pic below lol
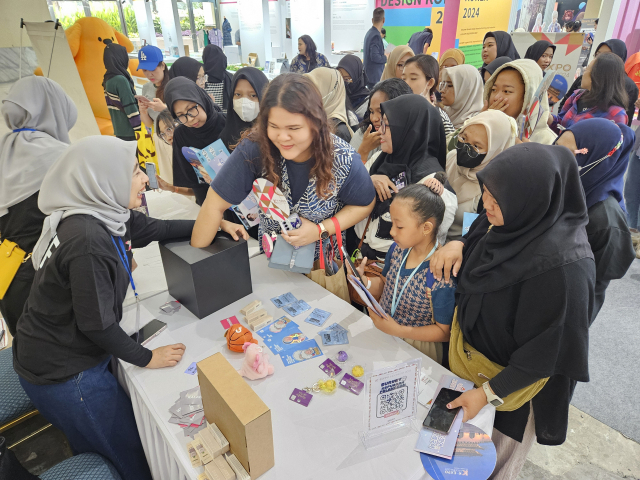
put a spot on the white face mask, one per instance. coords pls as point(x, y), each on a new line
point(246, 109)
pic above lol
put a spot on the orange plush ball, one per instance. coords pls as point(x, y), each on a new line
point(237, 335)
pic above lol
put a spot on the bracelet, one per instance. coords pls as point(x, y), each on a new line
point(175, 189)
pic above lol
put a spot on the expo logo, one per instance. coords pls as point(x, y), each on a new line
point(560, 66)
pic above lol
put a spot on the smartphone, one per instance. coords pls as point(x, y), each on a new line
point(440, 418)
point(142, 99)
point(151, 173)
point(352, 266)
point(149, 331)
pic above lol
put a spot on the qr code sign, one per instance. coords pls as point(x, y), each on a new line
point(436, 442)
point(392, 402)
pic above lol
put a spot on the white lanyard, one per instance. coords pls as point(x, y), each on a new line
point(394, 301)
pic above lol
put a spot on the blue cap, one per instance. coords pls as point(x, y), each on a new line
point(149, 57)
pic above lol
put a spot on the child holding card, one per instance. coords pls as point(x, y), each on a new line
point(418, 308)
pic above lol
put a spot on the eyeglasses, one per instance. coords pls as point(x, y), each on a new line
point(168, 133)
point(444, 85)
point(383, 127)
point(200, 81)
point(460, 144)
point(191, 113)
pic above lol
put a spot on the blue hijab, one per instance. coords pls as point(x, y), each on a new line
point(610, 144)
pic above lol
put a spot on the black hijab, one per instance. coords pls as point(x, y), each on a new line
point(357, 90)
point(493, 66)
point(181, 88)
point(215, 66)
point(116, 61)
point(185, 67)
point(419, 141)
point(535, 51)
point(235, 125)
point(504, 45)
point(617, 46)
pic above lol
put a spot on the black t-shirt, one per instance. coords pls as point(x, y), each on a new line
point(71, 320)
point(235, 180)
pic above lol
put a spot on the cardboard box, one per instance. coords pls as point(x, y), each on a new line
point(240, 414)
point(208, 279)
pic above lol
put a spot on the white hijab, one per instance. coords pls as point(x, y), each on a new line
point(25, 157)
point(468, 87)
point(92, 177)
point(333, 93)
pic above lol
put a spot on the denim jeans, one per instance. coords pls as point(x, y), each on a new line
point(632, 191)
point(96, 415)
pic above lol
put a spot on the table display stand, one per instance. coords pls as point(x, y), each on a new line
point(391, 403)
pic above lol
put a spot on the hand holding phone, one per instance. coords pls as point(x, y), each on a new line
point(151, 173)
point(440, 418)
point(142, 99)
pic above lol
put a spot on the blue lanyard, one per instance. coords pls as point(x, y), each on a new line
point(394, 301)
point(125, 261)
point(24, 130)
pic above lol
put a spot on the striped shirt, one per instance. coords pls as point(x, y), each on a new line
point(216, 92)
point(570, 114)
point(123, 107)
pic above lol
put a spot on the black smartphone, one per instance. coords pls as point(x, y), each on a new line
point(352, 266)
point(151, 173)
point(440, 418)
point(149, 331)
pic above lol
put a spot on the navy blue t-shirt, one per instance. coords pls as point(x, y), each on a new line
point(234, 181)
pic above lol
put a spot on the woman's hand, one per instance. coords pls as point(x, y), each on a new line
point(447, 258)
point(435, 186)
point(501, 104)
point(471, 402)
point(167, 356)
point(370, 141)
point(204, 174)
point(384, 186)
point(306, 234)
point(360, 268)
point(157, 105)
point(387, 325)
point(234, 229)
point(163, 185)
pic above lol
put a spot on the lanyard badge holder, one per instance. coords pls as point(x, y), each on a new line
point(122, 253)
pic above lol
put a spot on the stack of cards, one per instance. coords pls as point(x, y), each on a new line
point(334, 335)
point(284, 299)
point(296, 308)
point(188, 412)
point(284, 338)
point(318, 317)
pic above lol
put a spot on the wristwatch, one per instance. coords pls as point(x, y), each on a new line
point(323, 231)
point(492, 398)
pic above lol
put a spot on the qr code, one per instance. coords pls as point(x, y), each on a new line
point(436, 442)
point(392, 402)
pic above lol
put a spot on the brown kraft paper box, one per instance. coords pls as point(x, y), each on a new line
point(240, 414)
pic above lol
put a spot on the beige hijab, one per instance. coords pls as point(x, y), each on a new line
point(468, 88)
point(395, 56)
point(501, 134)
point(331, 87)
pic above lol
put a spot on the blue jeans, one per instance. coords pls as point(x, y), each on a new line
point(96, 415)
point(632, 191)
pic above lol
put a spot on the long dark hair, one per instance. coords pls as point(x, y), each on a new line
point(393, 88)
point(429, 67)
point(311, 49)
point(165, 80)
point(607, 83)
point(296, 94)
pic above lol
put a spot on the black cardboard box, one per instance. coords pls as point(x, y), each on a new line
point(205, 280)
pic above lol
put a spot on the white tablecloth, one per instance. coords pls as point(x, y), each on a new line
point(320, 441)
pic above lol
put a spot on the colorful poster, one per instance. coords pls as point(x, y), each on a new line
point(475, 19)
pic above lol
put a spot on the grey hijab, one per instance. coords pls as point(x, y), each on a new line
point(25, 157)
point(92, 177)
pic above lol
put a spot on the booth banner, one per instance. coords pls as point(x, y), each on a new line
point(565, 59)
point(475, 19)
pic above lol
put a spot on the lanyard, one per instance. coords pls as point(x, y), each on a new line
point(125, 262)
point(394, 301)
point(24, 130)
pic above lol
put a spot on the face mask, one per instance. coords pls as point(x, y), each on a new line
point(465, 160)
point(246, 109)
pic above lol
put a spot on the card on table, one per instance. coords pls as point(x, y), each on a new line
point(284, 299)
point(334, 335)
point(330, 368)
point(296, 308)
point(318, 317)
point(352, 384)
point(276, 327)
point(300, 352)
point(193, 368)
point(301, 397)
point(227, 322)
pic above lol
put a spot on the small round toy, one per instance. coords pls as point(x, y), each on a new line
point(327, 386)
point(357, 371)
point(342, 356)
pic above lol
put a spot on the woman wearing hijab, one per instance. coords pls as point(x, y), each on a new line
point(70, 328)
point(542, 53)
point(201, 123)
point(451, 58)
point(490, 69)
point(218, 82)
point(602, 94)
point(331, 87)
point(245, 95)
point(395, 64)
point(482, 138)
point(355, 81)
point(189, 68)
point(619, 48)
point(525, 297)
point(498, 44)
point(602, 151)
point(421, 41)
point(461, 91)
point(39, 114)
point(120, 93)
point(511, 90)
point(416, 131)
